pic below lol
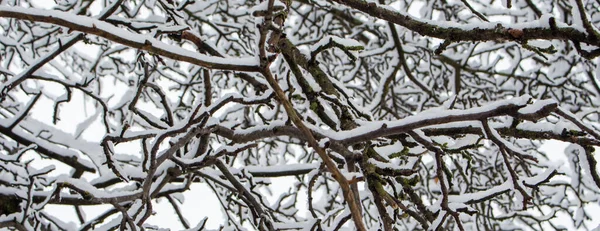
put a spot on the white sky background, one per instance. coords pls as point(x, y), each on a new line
point(200, 201)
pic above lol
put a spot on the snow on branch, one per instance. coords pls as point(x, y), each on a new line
point(298, 115)
point(139, 41)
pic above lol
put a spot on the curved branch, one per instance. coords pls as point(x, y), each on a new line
point(118, 35)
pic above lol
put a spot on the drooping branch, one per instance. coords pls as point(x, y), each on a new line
point(139, 41)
